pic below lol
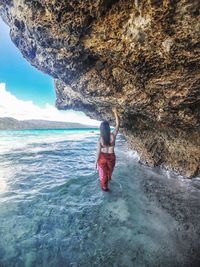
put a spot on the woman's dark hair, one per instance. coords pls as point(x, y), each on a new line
point(105, 132)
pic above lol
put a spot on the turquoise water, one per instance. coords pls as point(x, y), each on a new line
point(53, 213)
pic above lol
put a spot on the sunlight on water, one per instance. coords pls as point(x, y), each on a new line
point(3, 186)
point(53, 212)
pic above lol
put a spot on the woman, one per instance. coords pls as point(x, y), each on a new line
point(105, 158)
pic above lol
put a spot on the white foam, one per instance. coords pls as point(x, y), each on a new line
point(133, 154)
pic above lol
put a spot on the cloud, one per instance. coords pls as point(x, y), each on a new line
point(11, 106)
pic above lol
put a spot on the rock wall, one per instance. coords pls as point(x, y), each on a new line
point(142, 56)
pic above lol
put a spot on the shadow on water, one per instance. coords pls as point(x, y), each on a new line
point(53, 212)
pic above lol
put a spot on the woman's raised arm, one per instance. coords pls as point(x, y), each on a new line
point(115, 132)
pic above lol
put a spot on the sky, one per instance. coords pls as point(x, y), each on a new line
point(25, 92)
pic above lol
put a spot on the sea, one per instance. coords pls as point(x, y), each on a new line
point(54, 214)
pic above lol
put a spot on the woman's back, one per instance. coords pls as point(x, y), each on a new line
point(109, 149)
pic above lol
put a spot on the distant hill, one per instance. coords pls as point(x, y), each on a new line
point(7, 123)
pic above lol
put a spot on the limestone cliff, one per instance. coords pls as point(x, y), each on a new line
point(142, 56)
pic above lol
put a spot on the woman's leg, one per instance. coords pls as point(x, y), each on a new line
point(103, 170)
point(111, 165)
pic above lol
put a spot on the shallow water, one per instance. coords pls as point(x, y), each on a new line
point(53, 213)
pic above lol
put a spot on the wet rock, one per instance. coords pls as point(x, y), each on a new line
point(142, 56)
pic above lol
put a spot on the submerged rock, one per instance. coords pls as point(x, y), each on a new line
point(142, 56)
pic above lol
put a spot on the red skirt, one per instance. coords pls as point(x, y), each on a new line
point(106, 164)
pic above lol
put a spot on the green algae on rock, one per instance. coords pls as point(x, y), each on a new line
point(142, 56)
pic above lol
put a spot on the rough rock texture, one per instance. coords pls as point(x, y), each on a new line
point(142, 56)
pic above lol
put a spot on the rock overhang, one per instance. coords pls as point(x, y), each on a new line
point(141, 56)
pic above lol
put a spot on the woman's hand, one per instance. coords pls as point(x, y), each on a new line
point(115, 132)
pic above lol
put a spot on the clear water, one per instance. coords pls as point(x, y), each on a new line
point(53, 213)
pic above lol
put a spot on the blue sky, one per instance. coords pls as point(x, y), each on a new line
point(22, 80)
point(25, 92)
